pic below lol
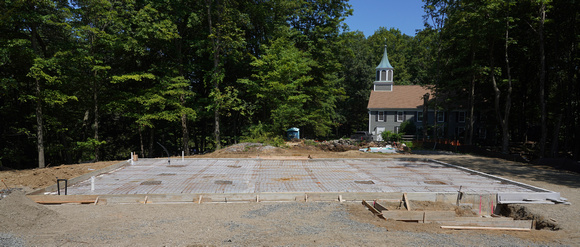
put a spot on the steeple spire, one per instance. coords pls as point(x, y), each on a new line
point(385, 61)
point(385, 70)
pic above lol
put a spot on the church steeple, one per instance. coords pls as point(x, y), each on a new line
point(385, 61)
point(384, 69)
point(384, 78)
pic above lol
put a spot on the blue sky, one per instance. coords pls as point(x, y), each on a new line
point(369, 15)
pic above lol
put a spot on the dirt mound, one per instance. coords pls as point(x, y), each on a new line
point(520, 212)
point(31, 179)
point(18, 212)
point(247, 148)
point(341, 145)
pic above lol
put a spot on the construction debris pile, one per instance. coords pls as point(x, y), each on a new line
point(340, 145)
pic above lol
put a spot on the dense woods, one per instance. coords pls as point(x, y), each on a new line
point(91, 80)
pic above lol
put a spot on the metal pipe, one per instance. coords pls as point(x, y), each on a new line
point(58, 180)
point(168, 160)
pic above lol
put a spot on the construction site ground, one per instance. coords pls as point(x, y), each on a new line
point(25, 223)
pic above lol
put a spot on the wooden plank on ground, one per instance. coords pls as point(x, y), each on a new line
point(60, 199)
point(372, 209)
point(439, 216)
point(484, 219)
point(485, 228)
point(380, 207)
point(512, 224)
point(404, 215)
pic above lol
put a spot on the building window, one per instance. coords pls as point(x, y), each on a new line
point(461, 117)
point(440, 116)
point(390, 75)
point(419, 116)
point(400, 116)
point(381, 116)
point(378, 76)
point(383, 75)
point(397, 129)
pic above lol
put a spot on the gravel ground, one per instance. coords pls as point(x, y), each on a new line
point(24, 223)
point(242, 224)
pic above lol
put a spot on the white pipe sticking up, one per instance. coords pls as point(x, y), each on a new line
point(182, 156)
point(132, 158)
point(93, 183)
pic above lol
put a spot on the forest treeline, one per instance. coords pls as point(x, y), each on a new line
point(91, 80)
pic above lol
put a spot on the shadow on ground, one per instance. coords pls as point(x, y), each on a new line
point(513, 169)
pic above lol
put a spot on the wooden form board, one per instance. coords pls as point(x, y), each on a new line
point(379, 206)
point(372, 209)
point(61, 199)
point(419, 216)
point(502, 223)
point(485, 228)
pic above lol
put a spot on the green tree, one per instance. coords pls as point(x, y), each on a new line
point(279, 83)
point(358, 75)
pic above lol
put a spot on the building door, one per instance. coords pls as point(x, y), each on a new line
point(378, 133)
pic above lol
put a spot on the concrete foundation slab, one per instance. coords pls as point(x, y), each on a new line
point(223, 180)
point(156, 176)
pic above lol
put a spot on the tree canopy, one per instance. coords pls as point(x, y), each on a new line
point(88, 80)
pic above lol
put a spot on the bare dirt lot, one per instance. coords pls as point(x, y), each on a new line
point(25, 223)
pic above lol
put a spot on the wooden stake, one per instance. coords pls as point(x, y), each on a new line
point(5, 184)
point(406, 201)
point(145, 202)
point(96, 200)
point(200, 197)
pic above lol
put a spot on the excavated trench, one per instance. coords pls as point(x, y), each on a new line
point(521, 212)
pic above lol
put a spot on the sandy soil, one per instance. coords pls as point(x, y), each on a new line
point(25, 223)
point(32, 179)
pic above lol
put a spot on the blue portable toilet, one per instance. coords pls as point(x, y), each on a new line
point(293, 133)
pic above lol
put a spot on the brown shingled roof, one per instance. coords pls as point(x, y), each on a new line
point(402, 97)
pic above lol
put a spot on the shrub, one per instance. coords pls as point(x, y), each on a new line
point(408, 127)
point(390, 136)
point(257, 133)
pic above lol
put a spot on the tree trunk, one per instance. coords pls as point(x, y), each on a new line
point(141, 140)
point(39, 127)
point(184, 130)
point(425, 114)
point(96, 113)
point(180, 62)
point(215, 76)
point(151, 138)
point(556, 137)
point(470, 120)
point(501, 120)
point(542, 81)
point(39, 116)
point(471, 106)
point(435, 127)
point(508, 101)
